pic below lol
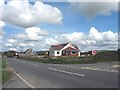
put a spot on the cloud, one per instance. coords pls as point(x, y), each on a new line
point(2, 24)
point(24, 14)
point(1, 2)
point(93, 40)
point(30, 38)
point(102, 36)
point(12, 49)
point(12, 41)
point(91, 9)
point(8, 44)
point(1, 8)
point(17, 45)
point(32, 34)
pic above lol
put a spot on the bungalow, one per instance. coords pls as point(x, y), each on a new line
point(65, 49)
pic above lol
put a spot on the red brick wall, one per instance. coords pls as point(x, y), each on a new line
point(70, 52)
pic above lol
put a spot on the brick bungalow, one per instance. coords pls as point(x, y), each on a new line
point(65, 49)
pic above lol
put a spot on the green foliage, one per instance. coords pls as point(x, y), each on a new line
point(6, 75)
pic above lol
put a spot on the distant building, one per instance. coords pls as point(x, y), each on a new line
point(93, 52)
point(28, 51)
point(65, 49)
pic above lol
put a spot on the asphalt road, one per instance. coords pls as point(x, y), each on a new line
point(40, 75)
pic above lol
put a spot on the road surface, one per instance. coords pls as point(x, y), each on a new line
point(40, 75)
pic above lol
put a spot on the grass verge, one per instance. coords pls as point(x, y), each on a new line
point(5, 73)
point(99, 57)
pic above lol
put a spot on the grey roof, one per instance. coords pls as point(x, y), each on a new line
point(59, 46)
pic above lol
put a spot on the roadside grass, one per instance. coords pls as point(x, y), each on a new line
point(60, 60)
point(4, 64)
point(5, 74)
point(106, 56)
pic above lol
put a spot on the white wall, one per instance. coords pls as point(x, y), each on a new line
point(79, 54)
point(55, 53)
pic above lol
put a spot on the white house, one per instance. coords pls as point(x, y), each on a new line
point(65, 49)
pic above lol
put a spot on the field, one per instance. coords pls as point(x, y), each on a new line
point(99, 57)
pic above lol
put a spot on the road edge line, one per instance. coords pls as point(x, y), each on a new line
point(22, 79)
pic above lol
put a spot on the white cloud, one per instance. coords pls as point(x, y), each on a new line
point(24, 14)
point(93, 40)
point(8, 44)
point(50, 41)
point(1, 8)
point(30, 38)
point(102, 36)
point(13, 49)
point(91, 9)
point(12, 41)
point(1, 2)
point(32, 33)
point(2, 24)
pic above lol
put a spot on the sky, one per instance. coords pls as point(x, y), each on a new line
point(38, 25)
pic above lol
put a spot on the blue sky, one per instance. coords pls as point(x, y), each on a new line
point(74, 19)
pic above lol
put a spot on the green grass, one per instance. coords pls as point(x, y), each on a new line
point(5, 75)
point(4, 64)
point(100, 57)
point(60, 60)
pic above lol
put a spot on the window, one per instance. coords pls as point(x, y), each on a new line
point(67, 51)
point(73, 52)
point(57, 52)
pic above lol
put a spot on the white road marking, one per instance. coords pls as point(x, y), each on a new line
point(22, 78)
point(67, 66)
point(94, 69)
point(100, 69)
point(66, 72)
point(78, 74)
point(89, 68)
point(53, 69)
point(116, 66)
